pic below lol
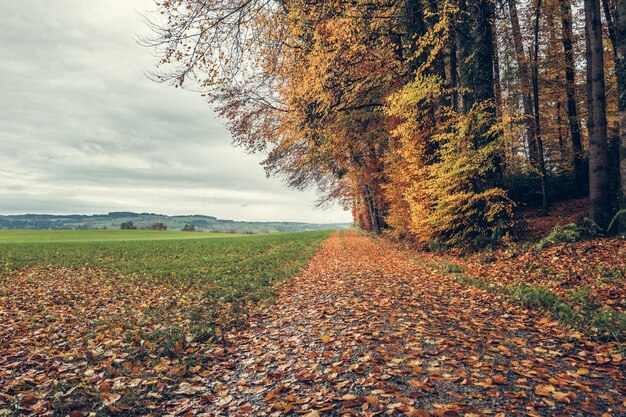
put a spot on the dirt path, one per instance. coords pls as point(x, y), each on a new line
point(364, 331)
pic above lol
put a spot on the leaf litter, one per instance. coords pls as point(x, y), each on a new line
point(362, 331)
point(365, 331)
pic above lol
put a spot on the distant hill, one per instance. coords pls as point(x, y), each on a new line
point(113, 220)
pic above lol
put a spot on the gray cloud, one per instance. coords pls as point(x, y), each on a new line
point(83, 129)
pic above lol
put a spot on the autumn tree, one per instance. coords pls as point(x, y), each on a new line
point(619, 45)
point(570, 87)
point(412, 113)
point(535, 81)
point(600, 204)
point(615, 15)
point(523, 72)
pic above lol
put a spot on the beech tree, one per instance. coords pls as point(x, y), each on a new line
point(615, 15)
point(570, 87)
point(422, 117)
point(600, 204)
point(524, 78)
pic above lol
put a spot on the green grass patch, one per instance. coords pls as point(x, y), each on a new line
point(475, 282)
point(578, 310)
point(23, 236)
point(610, 275)
point(450, 268)
point(227, 260)
point(533, 296)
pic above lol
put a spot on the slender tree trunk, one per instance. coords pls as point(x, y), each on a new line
point(476, 54)
point(438, 66)
point(466, 58)
point(483, 49)
point(415, 28)
point(570, 88)
point(524, 77)
point(538, 139)
point(476, 72)
point(600, 203)
point(497, 90)
point(372, 210)
point(620, 69)
point(454, 78)
point(612, 17)
point(616, 20)
point(559, 126)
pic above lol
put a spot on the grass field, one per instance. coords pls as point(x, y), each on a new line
point(115, 312)
point(9, 236)
point(191, 261)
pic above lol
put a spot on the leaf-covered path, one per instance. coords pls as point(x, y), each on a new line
point(365, 331)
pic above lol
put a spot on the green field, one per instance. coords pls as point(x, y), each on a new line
point(8, 236)
point(105, 303)
point(180, 256)
point(217, 269)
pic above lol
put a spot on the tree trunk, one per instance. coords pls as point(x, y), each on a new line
point(437, 66)
point(616, 20)
point(415, 28)
point(372, 210)
point(570, 88)
point(523, 75)
point(476, 72)
point(559, 126)
point(620, 69)
point(482, 34)
point(454, 79)
point(600, 203)
point(497, 90)
point(466, 67)
point(476, 54)
point(538, 140)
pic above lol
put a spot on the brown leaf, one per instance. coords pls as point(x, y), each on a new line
point(544, 390)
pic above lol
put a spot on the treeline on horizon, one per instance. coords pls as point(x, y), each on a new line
point(432, 119)
point(151, 221)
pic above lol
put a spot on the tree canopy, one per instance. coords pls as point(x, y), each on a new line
point(429, 119)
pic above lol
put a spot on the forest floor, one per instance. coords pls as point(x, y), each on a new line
point(582, 283)
point(368, 329)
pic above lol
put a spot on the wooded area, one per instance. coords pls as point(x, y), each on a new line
point(433, 119)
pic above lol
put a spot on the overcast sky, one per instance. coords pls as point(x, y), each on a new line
point(82, 130)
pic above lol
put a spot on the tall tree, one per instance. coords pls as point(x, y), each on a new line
point(570, 88)
point(620, 69)
point(415, 27)
point(453, 65)
point(476, 64)
point(481, 33)
point(400, 107)
point(523, 74)
point(538, 139)
point(616, 18)
point(600, 203)
point(496, 64)
point(562, 148)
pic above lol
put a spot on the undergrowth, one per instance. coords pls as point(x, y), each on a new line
point(578, 310)
point(570, 233)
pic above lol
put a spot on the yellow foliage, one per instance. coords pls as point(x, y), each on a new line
point(442, 168)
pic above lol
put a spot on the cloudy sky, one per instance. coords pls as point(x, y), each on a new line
point(82, 130)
